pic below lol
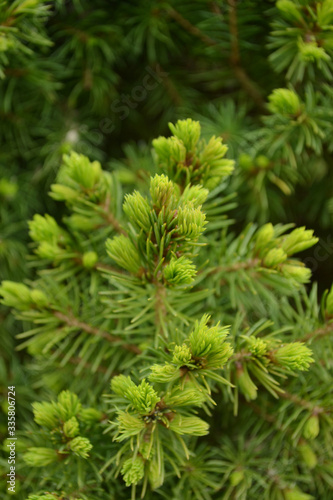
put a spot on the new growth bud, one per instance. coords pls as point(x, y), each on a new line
point(187, 160)
point(311, 428)
point(179, 272)
point(78, 171)
point(245, 384)
point(294, 356)
point(80, 446)
point(133, 470)
point(143, 398)
point(136, 207)
point(68, 405)
point(181, 355)
point(163, 192)
point(296, 494)
point(71, 427)
point(15, 295)
point(208, 345)
point(194, 194)
point(264, 236)
point(191, 222)
point(189, 425)
point(274, 257)
point(89, 259)
point(124, 253)
point(188, 131)
point(257, 346)
point(284, 102)
point(39, 298)
point(298, 240)
point(236, 477)
point(308, 455)
point(297, 272)
point(170, 152)
point(40, 457)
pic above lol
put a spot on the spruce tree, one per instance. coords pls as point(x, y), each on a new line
point(171, 341)
point(213, 347)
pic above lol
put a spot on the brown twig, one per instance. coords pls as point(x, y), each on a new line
point(264, 415)
point(248, 264)
point(98, 265)
point(73, 322)
point(169, 85)
point(193, 30)
point(320, 332)
point(248, 85)
point(110, 218)
point(76, 361)
point(315, 409)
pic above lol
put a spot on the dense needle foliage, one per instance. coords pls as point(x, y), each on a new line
point(166, 190)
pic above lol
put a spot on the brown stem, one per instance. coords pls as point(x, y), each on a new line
point(320, 332)
point(248, 264)
point(77, 361)
point(110, 218)
point(71, 321)
point(113, 221)
point(316, 410)
point(193, 30)
point(106, 267)
point(98, 265)
point(248, 85)
point(16, 72)
point(169, 86)
point(264, 415)
point(238, 356)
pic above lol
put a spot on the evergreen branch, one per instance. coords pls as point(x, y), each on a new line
point(72, 321)
point(318, 333)
point(315, 409)
point(248, 85)
point(238, 356)
point(106, 267)
point(169, 86)
point(264, 415)
point(110, 218)
point(98, 265)
point(77, 360)
point(248, 264)
point(193, 30)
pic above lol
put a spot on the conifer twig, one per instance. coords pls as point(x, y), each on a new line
point(239, 71)
point(77, 360)
point(170, 87)
point(264, 415)
point(243, 78)
point(193, 30)
point(248, 264)
point(318, 333)
point(315, 409)
point(72, 321)
point(109, 217)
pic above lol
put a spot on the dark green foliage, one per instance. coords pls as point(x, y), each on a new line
point(163, 255)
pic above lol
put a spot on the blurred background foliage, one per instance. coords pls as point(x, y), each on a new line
point(103, 78)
